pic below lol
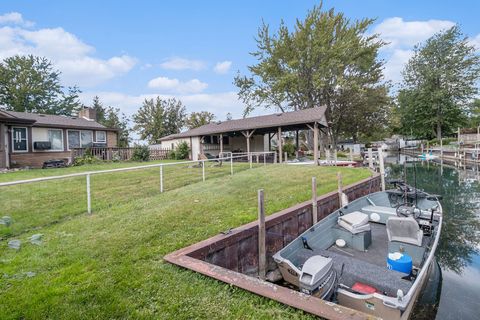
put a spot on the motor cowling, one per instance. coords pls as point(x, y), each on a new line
point(317, 277)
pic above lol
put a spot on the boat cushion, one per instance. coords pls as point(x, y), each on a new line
point(354, 222)
point(382, 211)
point(404, 229)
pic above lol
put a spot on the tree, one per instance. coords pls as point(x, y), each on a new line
point(111, 117)
point(325, 60)
point(198, 119)
point(30, 83)
point(228, 117)
point(474, 114)
point(97, 105)
point(439, 82)
point(158, 118)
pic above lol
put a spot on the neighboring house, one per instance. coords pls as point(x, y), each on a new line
point(253, 134)
point(355, 147)
point(29, 139)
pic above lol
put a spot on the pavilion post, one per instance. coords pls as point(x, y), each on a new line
point(221, 145)
point(315, 143)
point(297, 143)
point(279, 137)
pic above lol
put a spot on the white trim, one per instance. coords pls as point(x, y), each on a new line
point(63, 141)
point(79, 137)
point(68, 140)
point(96, 136)
point(48, 150)
point(26, 140)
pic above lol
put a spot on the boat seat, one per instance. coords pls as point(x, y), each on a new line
point(404, 229)
point(355, 222)
point(379, 214)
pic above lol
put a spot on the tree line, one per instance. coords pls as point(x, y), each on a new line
point(329, 60)
point(31, 84)
point(325, 59)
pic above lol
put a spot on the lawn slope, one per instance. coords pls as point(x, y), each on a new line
point(109, 264)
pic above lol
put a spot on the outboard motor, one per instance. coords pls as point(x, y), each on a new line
point(318, 277)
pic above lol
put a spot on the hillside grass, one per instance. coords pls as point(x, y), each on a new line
point(109, 264)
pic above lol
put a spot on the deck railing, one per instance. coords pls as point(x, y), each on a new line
point(108, 154)
point(118, 154)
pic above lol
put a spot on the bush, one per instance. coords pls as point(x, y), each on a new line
point(141, 153)
point(445, 141)
point(181, 151)
point(289, 148)
point(87, 158)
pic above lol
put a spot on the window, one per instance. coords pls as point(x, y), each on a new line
point(73, 139)
point(19, 139)
point(101, 136)
point(55, 136)
point(86, 139)
point(79, 139)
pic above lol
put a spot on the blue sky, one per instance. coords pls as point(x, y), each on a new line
point(125, 51)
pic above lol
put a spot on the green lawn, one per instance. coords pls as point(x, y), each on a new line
point(109, 264)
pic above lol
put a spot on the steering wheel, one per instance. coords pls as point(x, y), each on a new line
point(407, 210)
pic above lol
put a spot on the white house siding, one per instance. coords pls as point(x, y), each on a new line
point(173, 143)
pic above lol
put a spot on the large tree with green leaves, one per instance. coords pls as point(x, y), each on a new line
point(439, 82)
point(325, 60)
point(31, 84)
point(198, 119)
point(112, 117)
point(158, 118)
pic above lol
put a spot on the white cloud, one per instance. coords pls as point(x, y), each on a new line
point(175, 85)
point(70, 55)
point(222, 67)
point(395, 64)
point(177, 63)
point(408, 33)
point(475, 41)
point(218, 103)
point(402, 36)
point(15, 18)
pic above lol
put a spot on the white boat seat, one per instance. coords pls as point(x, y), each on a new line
point(355, 222)
point(404, 229)
point(379, 214)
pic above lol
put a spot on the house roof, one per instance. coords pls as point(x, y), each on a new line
point(48, 120)
point(294, 119)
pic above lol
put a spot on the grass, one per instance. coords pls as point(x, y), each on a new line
point(109, 264)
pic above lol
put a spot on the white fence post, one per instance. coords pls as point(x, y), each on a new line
point(250, 159)
point(231, 163)
point(203, 170)
point(89, 199)
point(264, 159)
point(314, 201)
point(262, 259)
point(161, 178)
point(382, 168)
point(286, 157)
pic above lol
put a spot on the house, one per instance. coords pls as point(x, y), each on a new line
point(252, 134)
point(30, 139)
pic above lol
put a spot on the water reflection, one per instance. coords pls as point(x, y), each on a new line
point(458, 253)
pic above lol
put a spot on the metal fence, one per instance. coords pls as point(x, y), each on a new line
point(34, 203)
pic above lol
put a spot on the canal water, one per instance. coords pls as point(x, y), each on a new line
point(453, 291)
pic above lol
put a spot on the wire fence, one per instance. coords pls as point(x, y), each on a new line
point(35, 203)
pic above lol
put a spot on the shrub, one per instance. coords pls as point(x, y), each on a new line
point(182, 151)
point(289, 148)
point(87, 158)
point(141, 153)
point(445, 141)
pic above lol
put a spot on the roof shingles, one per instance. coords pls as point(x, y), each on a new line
point(44, 120)
point(299, 117)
